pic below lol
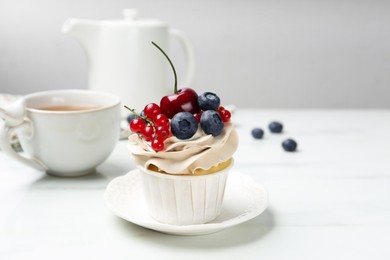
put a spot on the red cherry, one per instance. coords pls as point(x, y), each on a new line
point(225, 115)
point(151, 110)
point(137, 125)
point(184, 100)
point(157, 144)
point(148, 132)
point(161, 120)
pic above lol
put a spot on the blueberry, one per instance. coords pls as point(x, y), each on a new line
point(142, 114)
point(289, 145)
point(208, 101)
point(257, 133)
point(275, 127)
point(184, 125)
point(130, 118)
point(211, 122)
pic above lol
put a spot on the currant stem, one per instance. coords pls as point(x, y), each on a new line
point(170, 62)
point(132, 110)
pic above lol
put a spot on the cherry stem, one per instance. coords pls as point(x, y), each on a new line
point(170, 62)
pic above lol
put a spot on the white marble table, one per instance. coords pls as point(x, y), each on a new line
point(329, 200)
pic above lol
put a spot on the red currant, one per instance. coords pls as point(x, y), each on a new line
point(151, 111)
point(220, 109)
point(161, 120)
point(197, 116)
point(162, 132)
point(225, 115)
point(137, 125)
point(157, 144)
point(148, 132)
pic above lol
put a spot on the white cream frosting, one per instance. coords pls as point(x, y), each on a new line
point(185, 156)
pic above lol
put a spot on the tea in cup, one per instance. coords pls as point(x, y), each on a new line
point(63, 132)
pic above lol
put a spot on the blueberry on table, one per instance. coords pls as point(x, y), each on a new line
point(184, 125)
point(275, 127)
point(257, 133)
point(208, 101)
point(211, 122)
point(289, 145)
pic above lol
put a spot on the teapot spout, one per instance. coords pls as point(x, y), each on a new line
point(85, 31)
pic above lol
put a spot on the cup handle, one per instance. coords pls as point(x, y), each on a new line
point(189, 52)
point(11, 122)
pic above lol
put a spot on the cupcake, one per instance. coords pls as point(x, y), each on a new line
point(184, 150)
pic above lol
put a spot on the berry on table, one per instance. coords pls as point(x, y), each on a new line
point(257, 133)
point(208, 101)
point(289, 145)
point(184, 125)
point(211, 122)
point(275, 127)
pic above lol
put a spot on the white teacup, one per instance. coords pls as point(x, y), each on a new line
point(63, 132)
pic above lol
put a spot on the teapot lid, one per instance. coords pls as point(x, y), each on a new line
point(131, 17)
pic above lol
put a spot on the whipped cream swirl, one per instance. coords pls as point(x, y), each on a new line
point(185, 156)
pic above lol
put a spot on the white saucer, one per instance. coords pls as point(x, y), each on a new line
point(244, 200)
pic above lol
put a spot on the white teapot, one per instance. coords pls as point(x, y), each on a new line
point(123, 60)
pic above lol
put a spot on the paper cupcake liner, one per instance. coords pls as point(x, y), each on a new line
point(184, 200)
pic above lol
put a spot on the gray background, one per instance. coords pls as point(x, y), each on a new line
point(267, 54)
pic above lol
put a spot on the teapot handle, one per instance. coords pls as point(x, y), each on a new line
point(189, 52)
